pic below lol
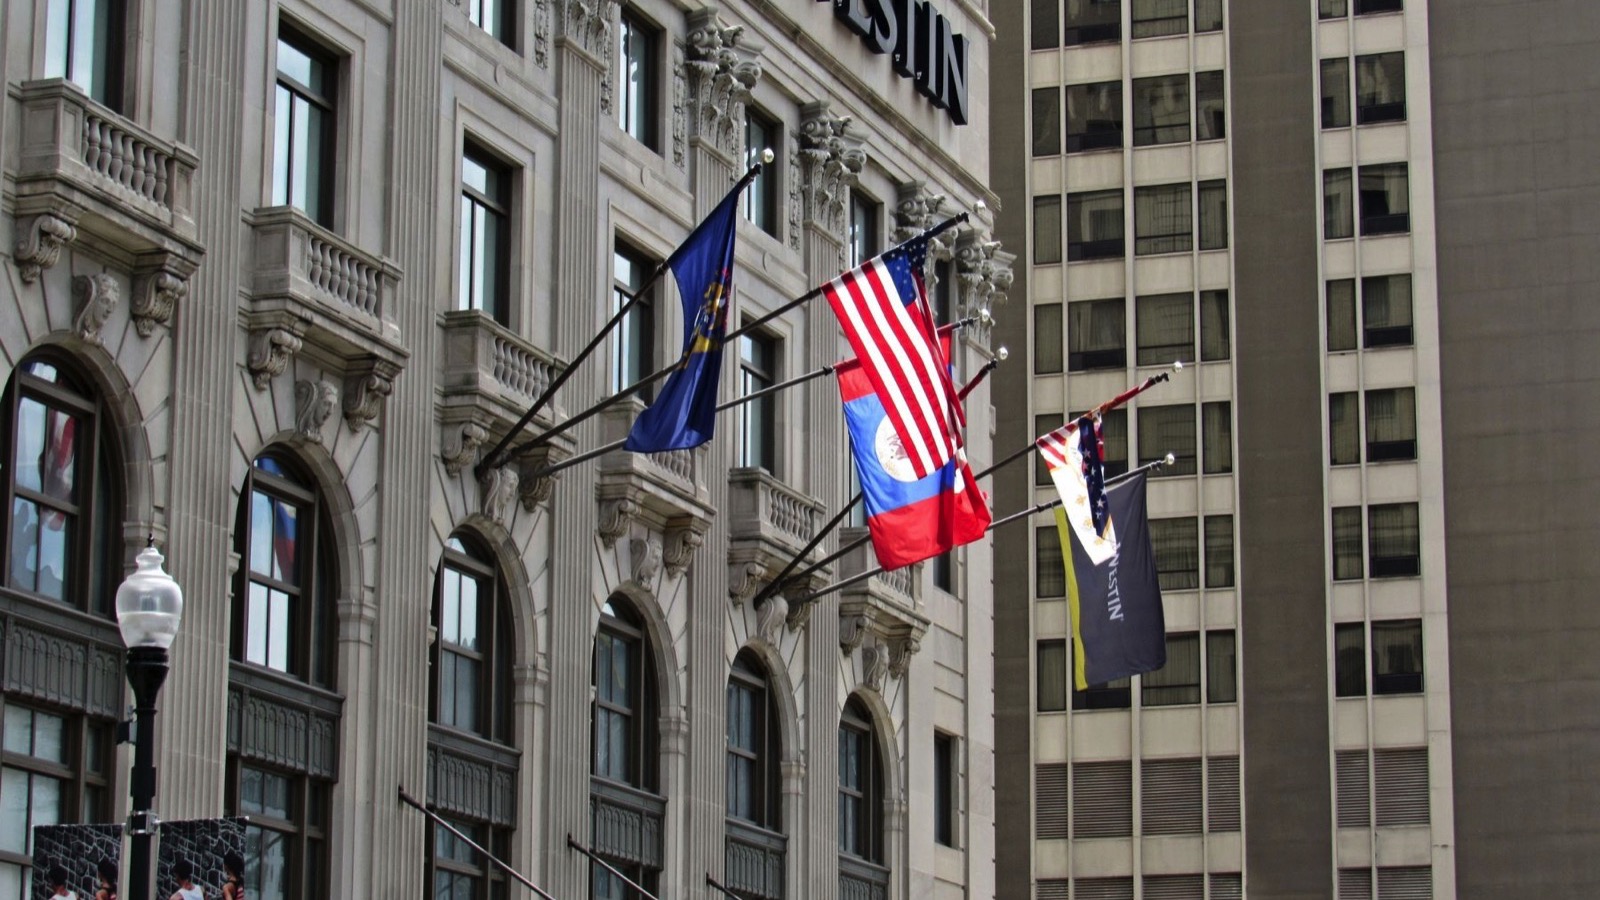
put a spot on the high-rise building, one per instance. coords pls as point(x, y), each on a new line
point(277, 276)
point(1364, 227)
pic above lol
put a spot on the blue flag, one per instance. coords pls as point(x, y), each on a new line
point(1118, 627)
point(684, 413)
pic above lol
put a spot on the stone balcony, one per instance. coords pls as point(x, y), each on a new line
point(89, 175)
point(768, 522)
point(666, 486)
point(882, 616)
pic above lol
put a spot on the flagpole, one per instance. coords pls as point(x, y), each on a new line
point(441, 821)
point(1020, 514)
point(498, 456)
point(776, 583)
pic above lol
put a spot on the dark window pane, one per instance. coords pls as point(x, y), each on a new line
point(1096, 335)
point(1168, 429)
point(493, 16)
point(1210, 106)
point(1332, 9)
point(1213, 215)
point(1222, 680)
point(1394, 544)
point(1385, 199)
point(1341, 296)
point(1052, 676)
point(1094, 226)
point(636, 103)
point(484, 262)
point(761, 197)
point(1216, 432)
point(1215, 334)
point(1381, 88)
point(1160, 110)
point(1051, 571)
point(1047, 230)
point(1349, 660)
point(1344, 430)
point(1347, 543)
point(1338, 204)
point(1043, 425)
point(1046, 25)
point(1094, 116)
point(1397, 657)
point(633, 341)
point(1207, 15)
point(1176, 546)
point(1047, 340)
point(1046, 121)
point(1391, 424)
point(758, 361)
point(1165, 328)
point(1335, 92)
point(1177, 682)
point(944, 789)
point(1155, 18)
point(1219, 551)
point(1386, 311)
point(1162, 219)
point(1368, 7)
point(1092, 21)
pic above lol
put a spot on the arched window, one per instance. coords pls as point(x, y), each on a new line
point(624, 785)
point(754, 862)
point(60, 515)
point(281, 773)
point(861, 796)
point(62, 526)
point(470, 711)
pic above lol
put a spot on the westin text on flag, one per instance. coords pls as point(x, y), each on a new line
point(909, 517)
point(882, 307)
point(684, 413)
point(1118, 627)
point(1073, 454)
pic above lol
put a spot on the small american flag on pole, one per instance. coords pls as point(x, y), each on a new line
point(1074, 454)
point(882, 306)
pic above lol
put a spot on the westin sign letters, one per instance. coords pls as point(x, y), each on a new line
point(919, 41)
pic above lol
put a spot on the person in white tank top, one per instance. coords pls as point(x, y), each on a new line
point(183, 870)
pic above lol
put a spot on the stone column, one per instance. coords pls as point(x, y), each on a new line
point(582, 254)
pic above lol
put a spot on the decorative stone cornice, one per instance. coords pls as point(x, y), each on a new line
point(720, 75)
point(830, 162)
point(96, 297)
point(314, 402)
point(461, 443)
point(41, 243)
point(269, 355)
point(588, 24)
point(537, 488)
point(498, 488)
point(683, 537)
point(365, 387)
point(615, 514)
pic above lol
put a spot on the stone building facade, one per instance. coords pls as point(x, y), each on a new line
point(279, 274)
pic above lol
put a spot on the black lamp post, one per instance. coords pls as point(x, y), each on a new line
point(149, 607)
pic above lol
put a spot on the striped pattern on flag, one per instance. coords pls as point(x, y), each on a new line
point(882, 310)
point(1055, 446)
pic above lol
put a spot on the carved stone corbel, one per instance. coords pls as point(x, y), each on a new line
point(874, 665)
point(587, 23)
point(830, 161)
point(155, 296)
point(461, 445)
point(799, 613)
point(852, 632)
point(916, 210)
point(645, 560)
point(721, 75)
point(682, 540)
point(615, 514)
point(96, 297)
point(771, 617)
point(498, 488)
point(537, 488)
point(365, 389)
point(541, 33)
point(40, 246)
point(314, 402)
point(270, 352)
point(900, 653)
point(744, 580)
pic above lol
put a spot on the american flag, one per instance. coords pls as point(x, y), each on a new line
point(1056, 450)
point(882, 306)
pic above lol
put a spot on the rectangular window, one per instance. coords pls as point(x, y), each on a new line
point(637, 83)
point(1336, 92)
point(485, 253)
point(1178, 682)
point(1210, 106)
point(497, 17)
point(1043, 425)
point(1114, 441)
point(1216, 437)
point(1092, 22)
point(944, 789)
point(1397, 657)
point(1215, 335)
point(1167, 429)
point(1096, 335)
point(1165, 328)
point(1045, 32)
point(1385, 199)
point(1350, 660)
point(1176, 546)
point(1368, 7)
point(1116, 694)
point(1347, 543)
point(83, 44)
point(1047, 230)
point(633, 342)
point(1344, 429)
point(1332, 9)
point(303, 128)
point(1393, 543)
point(1050, 579)
point(944, 570)
point(1160, 110)
point(1094, 116)
point(942, 291)
point(1338, 204)
point(1094, 226)
point(1219, 551)
point(864, 242)
point(1046, 121)
point(761, 196)
point(1385, 311)
point(1222, 680)
point(1047, 341)
point(1213, 215)
point(1163, 220)
point(758, 369)
point(1391, 424)
point(1207, 16)
point(1381, 88)
point(1051, 676)
point(1341, 294)
point(1157, 18)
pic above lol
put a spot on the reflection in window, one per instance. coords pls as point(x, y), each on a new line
point(1168, 429)
point(1165, 324)
point(761, 196)
point(1094, 116)
point(497, 17)
point(1385, 199)
point(1163, 219)
point(1177, 682)
point(1336, 93)
point(633, 342)
point(83, 44)
point(1210, 106)
point(1046, 121)
point(1175, 543)
point(1094, 225)
point(286, 840)
point(1092, 22)
point(1047, 230)
point(1347, 559)
point(54, 771)
point(1160, 110)
point(1215, 336)
point(303, 128)
point(485, 257)
point(1155, 18)
point(283, 616)
point(1338, 204)
point(1386, 311)
point(1096, 335)
point(636, 103)
point(758, 367)
point(860, 785)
